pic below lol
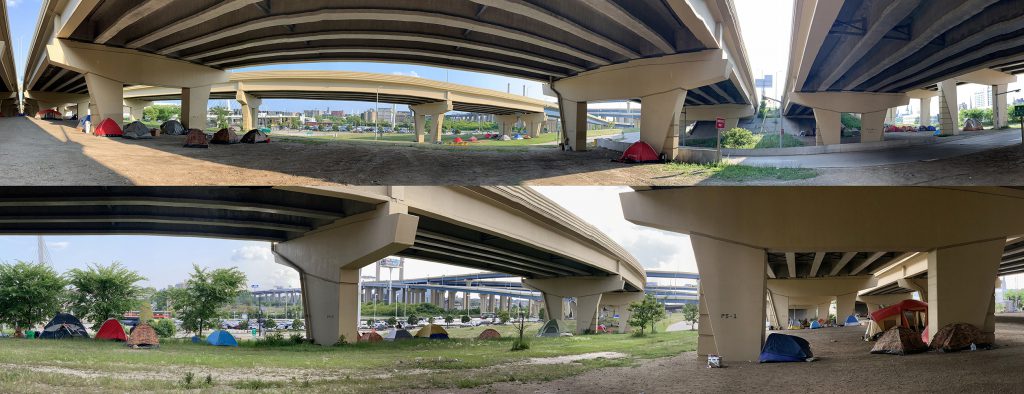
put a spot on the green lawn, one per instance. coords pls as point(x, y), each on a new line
point(761, 141)
point(741, 173)
point(71, 365)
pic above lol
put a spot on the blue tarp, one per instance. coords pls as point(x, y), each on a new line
point(221, 338)
point(782, 348)
point(852, 320)
point(815, 324)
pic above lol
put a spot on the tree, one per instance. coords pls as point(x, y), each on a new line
point(29, 294)
point(204, 293)
point(645, 312)
point(520, 324)
point(1016, 297)
point(297, 324)
point(145, 310)
point(102, 292)
point(161, 300)
point(269, 324)
point(448, 319)
point(465, 319)
point(165, 328)
point(540, 314)
point(503, 317)
point(222, 116)
point(392, 321)
point(690, 314)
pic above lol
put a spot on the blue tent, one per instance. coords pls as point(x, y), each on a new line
point(221, 338)
point(815, 324)
point(782, 348)
point(852, 321)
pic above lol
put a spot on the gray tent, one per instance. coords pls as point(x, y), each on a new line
point(137, 131)
point(173, 127)
point(398, 335)
point(553, 328)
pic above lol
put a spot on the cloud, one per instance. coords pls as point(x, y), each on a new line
point(257, 261)
point(57, 245)
point(408, 74)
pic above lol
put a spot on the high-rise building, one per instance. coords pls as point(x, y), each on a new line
point(982, 98)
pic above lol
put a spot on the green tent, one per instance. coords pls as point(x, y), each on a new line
point(553, 328)
point(265, 130)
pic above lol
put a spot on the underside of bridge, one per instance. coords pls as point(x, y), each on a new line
point(667, 53)
point(328, 234)
point(865, 57)
point(9, 101)
point(760, 253)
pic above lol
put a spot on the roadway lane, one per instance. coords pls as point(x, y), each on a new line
point(920, 153)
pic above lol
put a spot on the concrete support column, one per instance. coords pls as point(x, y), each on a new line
point(436, 128)
point(823, 310)
point(574, 124)
point(926, 111)
point(506, 123)
point(82, 109)
point(961, 284)
point(553, 307)
point(420, 126)
point(586, 290)
point(780, 304)
point(451, 299)
point(136, 108)
point(829, 127)
point(436, 112)
point(890, 116)
point(502, 303)
point(195, 103)
point(587, 306)
point(733, 288)
point(619, 304)
point(845, 306)
point(949, 111)
point(1000, 112)
point(873, 126)
point(107, 98)
point(534, 123)
point(465, 301)
point(659, 121)
point(250, 109)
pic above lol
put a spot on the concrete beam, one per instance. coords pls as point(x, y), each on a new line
point(820, 286)
point(850, 102)
point(712, 112)
point(646, 77)
point(131, 67)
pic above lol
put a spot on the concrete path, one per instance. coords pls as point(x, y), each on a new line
point(678, 326)
point(921, 153)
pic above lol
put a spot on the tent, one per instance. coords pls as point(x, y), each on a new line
point(265, 130)
point(64, 325)
point(815, 324)
point(782, 348)
point(972, 125)
point(137, 131)
point(108, 128)
point(111, 330)
point(225, 137)
point(489, 333)
point(371, 337)
point(143, 336)
point(398, 335)
point(49, 115)
point(899, 341)
point(640, 152)
point(852, 321)
point(221, 338)
point(255, 137)
point(173, 127)
point(432, 331)
point(958, 336)
point(906, 313)
point(553, 328)
point(196, 139)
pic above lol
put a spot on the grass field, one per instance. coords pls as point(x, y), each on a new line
point(86, 365)
point(761, 141)
point(741, 173)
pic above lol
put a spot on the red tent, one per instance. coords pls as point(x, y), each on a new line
point(108, 128)
point(640, 152)
point(898, 309)
point(112, 330)
point(49, 114)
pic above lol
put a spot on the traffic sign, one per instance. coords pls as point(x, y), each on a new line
point(720, 123)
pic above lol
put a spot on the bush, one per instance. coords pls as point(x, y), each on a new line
point(297, 339)
point(737, 138)
point(518, 345)
point(297, 324)
point(465, 318)
point(164, 328)
point(413, 319)
point(850, 121)
point(392, 321)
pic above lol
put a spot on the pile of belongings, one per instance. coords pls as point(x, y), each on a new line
point(255, 137)
point(137, 131)
point(143, 337)
point(900, 129)
point(196, 139)
point(899, 341)
point(173, 127)
point(226, 137)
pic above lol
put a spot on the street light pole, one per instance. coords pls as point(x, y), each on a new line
point(376, 115)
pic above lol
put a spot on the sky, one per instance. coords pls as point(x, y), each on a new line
point(168, 260)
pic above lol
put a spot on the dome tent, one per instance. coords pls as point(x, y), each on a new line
point(108, 128)
point(64, 325)
point(111, 330)
point(371, 337)
point(143, 337)
point(640, 152)
point(221, 338)
point(226, 137)
point(173, 127)
point(398, 335)
point(196, 139)
point(553, 328)
point(782, 348)
point(255, 137)
point(488, 334)
point(137, 131)
point(432, 331)
point(899, 341)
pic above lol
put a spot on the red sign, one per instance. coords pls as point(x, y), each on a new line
point(720, 123)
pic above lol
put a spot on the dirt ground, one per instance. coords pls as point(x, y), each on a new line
point(55, 153)
point(845, 365)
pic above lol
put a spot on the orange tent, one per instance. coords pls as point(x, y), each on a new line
point(112, 330)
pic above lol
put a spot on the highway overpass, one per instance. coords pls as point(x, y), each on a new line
point(761, 251)
point(9, 100)
point(328, 234)
point(665, 53)
point(868, 57)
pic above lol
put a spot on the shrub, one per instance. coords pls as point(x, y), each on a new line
point(413, 319)
point(392, 321)
point(297, 324)
point(296, 339)
point(465, 318)
point(520, 344)
point(737, 138)
point(164, 328)
point(850, 121)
